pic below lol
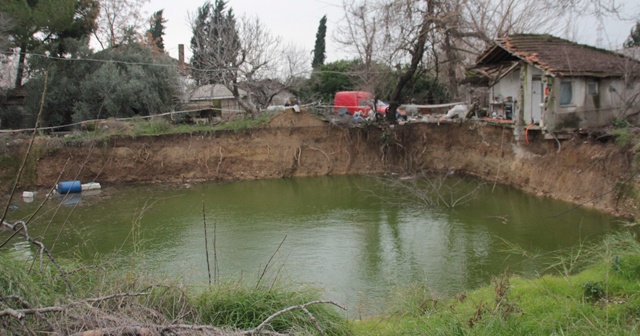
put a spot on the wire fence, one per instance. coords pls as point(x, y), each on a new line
point(320, 109)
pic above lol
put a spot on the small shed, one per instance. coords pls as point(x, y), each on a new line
point(215, 98)
point(556, 84)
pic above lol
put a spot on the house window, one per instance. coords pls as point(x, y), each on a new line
point(566, 93)
point(592, 88)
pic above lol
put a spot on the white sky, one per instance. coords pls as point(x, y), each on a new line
point(296, 21)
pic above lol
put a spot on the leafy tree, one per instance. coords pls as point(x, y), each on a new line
point(83, 25)
point(215, 42)
point(347, 75)
point(127, 81)
point(426, 89)
point(234, 54)
point(5, 26)
point(330, 78)
point(37, 22)
point(156, 31)
point(634, 37)
point(319, 49)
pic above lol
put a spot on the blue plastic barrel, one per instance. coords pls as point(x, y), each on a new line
point(69, 187)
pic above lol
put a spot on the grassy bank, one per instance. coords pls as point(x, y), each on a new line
point(38, 299)
point(603, 298)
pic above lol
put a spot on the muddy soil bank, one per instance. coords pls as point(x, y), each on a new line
point(579, 170)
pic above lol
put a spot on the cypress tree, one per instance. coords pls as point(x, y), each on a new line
point(634, 38)
point(215, 42)
point(156, 30)
point(319, 49)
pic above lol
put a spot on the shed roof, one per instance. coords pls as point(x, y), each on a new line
point(212, 91)
point(556, 56)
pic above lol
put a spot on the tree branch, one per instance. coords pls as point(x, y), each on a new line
point(302, 307)
point(21, 313)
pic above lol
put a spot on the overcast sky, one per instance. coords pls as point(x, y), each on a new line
point(296, 21)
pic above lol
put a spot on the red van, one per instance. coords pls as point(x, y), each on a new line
point(352, 101)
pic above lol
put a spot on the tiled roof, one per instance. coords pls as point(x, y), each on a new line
point(557, 56)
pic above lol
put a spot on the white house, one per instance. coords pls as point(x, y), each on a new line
point(557, 84)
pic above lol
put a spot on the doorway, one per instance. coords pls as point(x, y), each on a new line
point(536, 99)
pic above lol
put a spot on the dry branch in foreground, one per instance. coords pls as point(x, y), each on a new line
point(102, 322)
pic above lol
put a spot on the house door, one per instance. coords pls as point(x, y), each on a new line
point(536, 100)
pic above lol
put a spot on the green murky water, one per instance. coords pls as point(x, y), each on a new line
point(335, 233)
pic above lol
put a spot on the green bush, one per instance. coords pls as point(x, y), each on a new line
point(11, 117)
point(593, 291)
point(620, 123)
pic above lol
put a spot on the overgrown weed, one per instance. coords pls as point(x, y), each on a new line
point(107, 298)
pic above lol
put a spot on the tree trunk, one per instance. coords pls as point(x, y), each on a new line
point(248, 106)
point(21, 61)
point(452, 61)
point(416, 57)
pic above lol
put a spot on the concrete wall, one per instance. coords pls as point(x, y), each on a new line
point(614, 99)
point(508, 86)
point(589, 110)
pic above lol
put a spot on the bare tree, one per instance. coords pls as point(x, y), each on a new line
point(286, 73)
point(424, 19)
point(243, 55)
point(118, 21)
point(445, 36)
point(258, 49)
point(294, 63)
point(367, 31)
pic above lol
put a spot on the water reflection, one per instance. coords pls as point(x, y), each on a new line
point(336, 234)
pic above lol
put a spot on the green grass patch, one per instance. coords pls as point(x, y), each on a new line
point(245, 307)
point(624, 136)
point(244, 124)
point(154, 303)
point(602, 299)
point(160, 126)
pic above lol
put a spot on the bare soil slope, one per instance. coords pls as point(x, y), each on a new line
point(579, 170)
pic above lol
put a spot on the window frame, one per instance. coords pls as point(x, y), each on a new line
point(563, 86)
point(592, 84)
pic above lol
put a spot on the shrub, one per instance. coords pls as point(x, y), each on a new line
point(593, 291)
point(11, 117)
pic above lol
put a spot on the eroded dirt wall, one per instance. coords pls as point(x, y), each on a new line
point(576, 170)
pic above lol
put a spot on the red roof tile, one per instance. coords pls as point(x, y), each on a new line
point(558, 56)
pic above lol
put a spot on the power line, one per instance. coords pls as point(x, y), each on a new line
point(189, 67)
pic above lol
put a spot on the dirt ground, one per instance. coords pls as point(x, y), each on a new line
point(579, 169)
